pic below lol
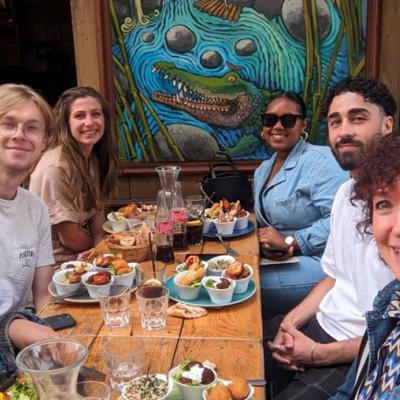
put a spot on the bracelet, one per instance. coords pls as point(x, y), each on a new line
point(312, 353)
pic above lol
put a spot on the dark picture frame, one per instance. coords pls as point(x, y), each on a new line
point(104, 41)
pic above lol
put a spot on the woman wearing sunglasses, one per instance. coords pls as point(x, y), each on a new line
point(294, 191)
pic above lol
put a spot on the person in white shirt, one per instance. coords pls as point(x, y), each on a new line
point(319, 338)
point(26, 122)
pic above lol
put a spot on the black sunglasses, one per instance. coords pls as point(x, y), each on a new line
point(287, 120)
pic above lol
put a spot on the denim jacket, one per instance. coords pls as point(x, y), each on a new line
point(299, 198)
point(378, 329)
point(7, 351)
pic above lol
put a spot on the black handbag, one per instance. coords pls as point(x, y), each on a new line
point(225, 181)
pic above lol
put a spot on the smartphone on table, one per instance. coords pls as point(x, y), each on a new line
point(60, 321)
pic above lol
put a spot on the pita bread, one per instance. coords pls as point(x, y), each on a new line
point(185, 311)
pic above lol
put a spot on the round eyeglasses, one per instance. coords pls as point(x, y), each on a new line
point(9, 128)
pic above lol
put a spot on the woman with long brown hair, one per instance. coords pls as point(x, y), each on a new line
point(78, 172)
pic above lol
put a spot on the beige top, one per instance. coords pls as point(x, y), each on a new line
point(48, 182)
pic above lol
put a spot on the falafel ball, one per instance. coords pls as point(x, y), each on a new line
point(219, 392)
point(239, 388)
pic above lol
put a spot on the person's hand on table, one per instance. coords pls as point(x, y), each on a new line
point(24, 333)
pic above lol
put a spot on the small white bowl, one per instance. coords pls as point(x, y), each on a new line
point(116, 225)
point(241, 223)
point(225, 228)
point(127, 279)
point(61, 287)
point(186, 292)
point(212, 272)
point(192, 392)
point(241, 284)
point(219, 296)
point(226, 383)
point(94, 290)
point(159, 376)
point(76, 264)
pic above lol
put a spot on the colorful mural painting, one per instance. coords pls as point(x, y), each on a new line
point(192, 77)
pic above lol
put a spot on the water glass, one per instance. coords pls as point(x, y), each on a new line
point(152, 304)
point(116, 308)
point(124, 359)
point(195, 205)
point(93, 390)
point(145, 271)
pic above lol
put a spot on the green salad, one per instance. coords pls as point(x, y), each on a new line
point(22, 389)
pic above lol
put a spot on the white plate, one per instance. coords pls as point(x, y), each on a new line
point(83, 297)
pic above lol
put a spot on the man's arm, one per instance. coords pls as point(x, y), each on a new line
point(283, 346)
point(40, 285)
point(343, 351)
point(307, 309)
point(305, 352)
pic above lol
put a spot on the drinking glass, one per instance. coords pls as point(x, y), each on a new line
point(145, 271)
point(195, 205)
point(152, 304)
point(116, 308)
point(53, 366)
point(124, 359)
point(93, 390)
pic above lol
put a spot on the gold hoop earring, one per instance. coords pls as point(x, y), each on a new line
point(304, 135)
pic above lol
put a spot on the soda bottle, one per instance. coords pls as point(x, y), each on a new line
point(179, 217)
point(164, 231)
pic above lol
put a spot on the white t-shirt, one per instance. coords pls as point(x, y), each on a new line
point(25, 244)
point(353, 260)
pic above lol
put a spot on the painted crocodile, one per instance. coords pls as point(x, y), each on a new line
point(228, 102)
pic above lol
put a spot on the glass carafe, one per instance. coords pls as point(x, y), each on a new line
point(53, 365)
point(168, 175)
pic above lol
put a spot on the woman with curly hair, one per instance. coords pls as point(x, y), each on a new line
point(376, 372)
point(79, 171)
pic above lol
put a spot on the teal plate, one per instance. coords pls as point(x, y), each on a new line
point(236, 232)
point(204, 299)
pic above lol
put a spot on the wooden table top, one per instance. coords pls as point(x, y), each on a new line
point(230, 337)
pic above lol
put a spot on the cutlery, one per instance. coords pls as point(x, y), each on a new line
point(257, 382)
point(228, 249)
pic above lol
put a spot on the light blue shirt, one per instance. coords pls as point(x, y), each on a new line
point(298, 200)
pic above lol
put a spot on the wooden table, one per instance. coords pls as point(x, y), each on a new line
point(231, 337)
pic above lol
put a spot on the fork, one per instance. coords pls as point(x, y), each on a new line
point(228, 249)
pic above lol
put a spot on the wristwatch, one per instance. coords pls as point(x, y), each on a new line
point(289, 240)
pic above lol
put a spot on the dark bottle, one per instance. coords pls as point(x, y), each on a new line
point(163, 225)
point(165, 253)
point(179, 217)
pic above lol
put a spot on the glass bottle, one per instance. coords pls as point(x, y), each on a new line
point(179, 217)
point(163, 224)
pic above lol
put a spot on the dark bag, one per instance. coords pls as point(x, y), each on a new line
point(225, 181)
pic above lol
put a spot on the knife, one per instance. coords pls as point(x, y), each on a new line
point(257, 382)
point(66, 296)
